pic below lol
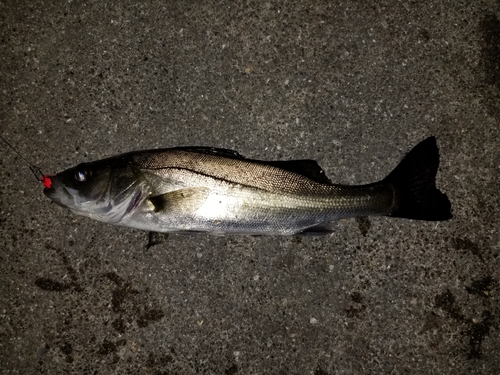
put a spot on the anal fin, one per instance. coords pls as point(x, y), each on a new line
point(321, 229)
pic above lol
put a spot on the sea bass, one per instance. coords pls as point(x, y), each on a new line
point(218, 191)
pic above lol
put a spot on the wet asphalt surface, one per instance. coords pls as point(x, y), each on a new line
point(352, 85)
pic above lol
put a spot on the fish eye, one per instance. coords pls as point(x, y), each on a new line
point(81, 175)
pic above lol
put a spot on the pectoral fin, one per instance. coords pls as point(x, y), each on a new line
point(183, 200)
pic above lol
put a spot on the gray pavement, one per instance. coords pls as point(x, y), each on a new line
point(351, 84)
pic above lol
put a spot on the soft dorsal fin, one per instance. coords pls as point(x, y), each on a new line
point(213, 151)
point(304, 167)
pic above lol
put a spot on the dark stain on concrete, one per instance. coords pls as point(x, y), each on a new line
point(114, 278)
point(122, 291)
point(119, 325)
point(356, 297)
point(364, 224)
point(149, 316)
point(73, 275)
point(320, 371)
point(119, 295)
point(233, 369)
point(446, 302)
point(476, 331)
point(490, 29)
point(424, 35)
point(128, 303)
point(355, 311)
point(467, 245)
point(107, 347)
point(432, 321)
point(50, 285)
point(159, 361)
point(481, 287)
point(67, 349)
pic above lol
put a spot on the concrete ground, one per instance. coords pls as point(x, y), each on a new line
point(352, 85)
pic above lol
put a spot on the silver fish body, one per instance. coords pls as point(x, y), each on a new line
point(217, 191)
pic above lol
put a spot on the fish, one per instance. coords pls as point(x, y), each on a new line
point(220, 192)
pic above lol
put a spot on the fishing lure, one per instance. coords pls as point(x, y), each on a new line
point(37, 171)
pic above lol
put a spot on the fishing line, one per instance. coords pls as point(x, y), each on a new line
point(37, 171)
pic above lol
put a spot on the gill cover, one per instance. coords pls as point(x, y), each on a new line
point(105, 190)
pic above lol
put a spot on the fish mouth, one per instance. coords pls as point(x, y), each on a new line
point(57, 193)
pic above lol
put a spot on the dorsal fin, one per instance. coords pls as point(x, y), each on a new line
point(213, 151)
point(304, 167)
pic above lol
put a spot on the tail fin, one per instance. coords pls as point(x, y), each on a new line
point(414, 184)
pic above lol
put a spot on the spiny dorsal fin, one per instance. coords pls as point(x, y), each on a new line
point(213, 151)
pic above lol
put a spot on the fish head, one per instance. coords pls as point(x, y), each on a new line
point(105, 190)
